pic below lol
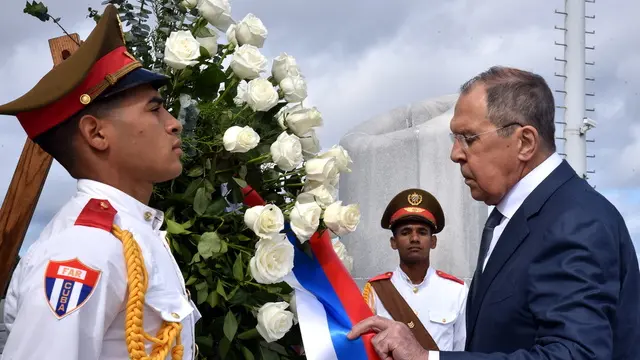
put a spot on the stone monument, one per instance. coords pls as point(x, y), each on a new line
point(409, 147)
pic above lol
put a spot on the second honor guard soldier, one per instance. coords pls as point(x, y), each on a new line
point(100, 282)
point(431, 302)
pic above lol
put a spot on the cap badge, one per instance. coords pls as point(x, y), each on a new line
point(414, 199)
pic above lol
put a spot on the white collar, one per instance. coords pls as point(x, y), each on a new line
point(521, 190)
point(406, 278)
point(122, 202)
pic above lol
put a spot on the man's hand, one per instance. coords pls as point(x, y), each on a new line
point(393, 340)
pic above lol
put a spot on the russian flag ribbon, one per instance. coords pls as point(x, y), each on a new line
point(328, 301)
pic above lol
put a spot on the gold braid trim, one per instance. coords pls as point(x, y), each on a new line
point(366, 294)
point(137, 287)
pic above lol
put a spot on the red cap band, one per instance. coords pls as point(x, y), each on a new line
point(413, 211)
point(38, 121)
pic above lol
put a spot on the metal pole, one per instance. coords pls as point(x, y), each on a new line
point(575, 143)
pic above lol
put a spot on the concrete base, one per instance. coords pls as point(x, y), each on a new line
point(409, 147)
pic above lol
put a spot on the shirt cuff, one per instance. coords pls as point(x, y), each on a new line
point(434, 355)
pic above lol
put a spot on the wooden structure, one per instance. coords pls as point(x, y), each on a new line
point(27, 182)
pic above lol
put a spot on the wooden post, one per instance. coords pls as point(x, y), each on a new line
point(27, 182)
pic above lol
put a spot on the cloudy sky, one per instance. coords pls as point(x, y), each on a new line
point(363, 58)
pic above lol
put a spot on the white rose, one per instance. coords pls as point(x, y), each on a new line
point(301, 120)
point(216, 12)
point(334, 181)
point(241, 95)
point(305, 217)
point(240, 139)
point(343, 160)
point(189, 4)
point(274, 321)
point(210, 43)
point(344, 256)
point(286, 151)
point(321, 169)
point(283, 66)
point(247, 62)
point(294, 89)
point(294, 309)
point(264, 220)
point(251, 31)
point(231, 35)
point(342, 220)
point(181, 50)
point(272, 261)
point(310, 144)
point(324, 194)
point(261, 95)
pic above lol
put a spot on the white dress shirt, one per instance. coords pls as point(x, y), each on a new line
point(518, 194)
point(438, 302)
point(512, 202)
point(91, 325)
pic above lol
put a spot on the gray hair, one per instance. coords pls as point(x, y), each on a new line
point(520, 96)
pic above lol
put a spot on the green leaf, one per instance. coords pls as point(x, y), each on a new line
point(269, 354)
point(206, 84)
point(230, 325)
point(220, 290)
point(201, 285)
point(196, 171)
point(240, 182)
point(201, 201)
point(175, 228)
point(213, 299)
point(202, 296)
point(192, 280)
point(246, 353)
point(238, 267)
point(249, 334)
point(243, 238)
point(209, 244)
point(203, 32)
point(243, 172)
point(217, 206)
point(223, 347)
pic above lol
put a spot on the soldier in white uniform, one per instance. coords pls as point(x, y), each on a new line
point(100, 282)
point(431, 302)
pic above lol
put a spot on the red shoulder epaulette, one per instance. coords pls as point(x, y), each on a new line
point(97, 214)
point(384, 276)
point(444, 275)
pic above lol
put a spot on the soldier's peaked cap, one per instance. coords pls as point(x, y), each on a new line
point(100, 67)
point(414, 204)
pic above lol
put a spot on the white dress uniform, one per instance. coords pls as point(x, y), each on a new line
point(439, 302)
point(68, 294)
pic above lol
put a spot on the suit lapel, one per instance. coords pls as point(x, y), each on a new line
point(513, 235)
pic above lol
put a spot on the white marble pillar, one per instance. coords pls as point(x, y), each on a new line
point(409, 147)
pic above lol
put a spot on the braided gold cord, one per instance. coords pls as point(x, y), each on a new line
point(137, 284)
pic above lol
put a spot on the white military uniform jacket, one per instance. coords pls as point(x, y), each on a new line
point(439, 302)
point(68, 294)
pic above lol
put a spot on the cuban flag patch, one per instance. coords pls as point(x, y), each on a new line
point(68, 285)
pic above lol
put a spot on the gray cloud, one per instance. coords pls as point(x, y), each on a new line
point(364, 58)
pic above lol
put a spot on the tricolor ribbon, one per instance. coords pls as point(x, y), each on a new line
point(328, 301)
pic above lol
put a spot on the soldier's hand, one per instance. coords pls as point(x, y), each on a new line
point(393, 340)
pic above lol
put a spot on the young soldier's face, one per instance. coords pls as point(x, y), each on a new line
point(144, 137)
point(413, 241)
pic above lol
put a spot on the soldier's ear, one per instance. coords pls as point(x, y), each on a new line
point(434, 241)
point(394, 244)
point(92, 130)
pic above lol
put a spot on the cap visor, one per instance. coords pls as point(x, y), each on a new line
point(135, 78)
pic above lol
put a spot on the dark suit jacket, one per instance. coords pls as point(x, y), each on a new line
point(561, 283)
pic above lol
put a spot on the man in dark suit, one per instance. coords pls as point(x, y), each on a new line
point(557, 274)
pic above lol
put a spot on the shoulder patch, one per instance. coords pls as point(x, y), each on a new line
point(68, 285)
point(384, 276)
point(97, 214)
point(444, 275)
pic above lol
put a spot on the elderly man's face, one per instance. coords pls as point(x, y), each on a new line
point(488, 162)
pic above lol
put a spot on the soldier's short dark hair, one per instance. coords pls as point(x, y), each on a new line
point(515, 95)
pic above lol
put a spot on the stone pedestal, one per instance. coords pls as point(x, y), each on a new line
point(409, 147)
